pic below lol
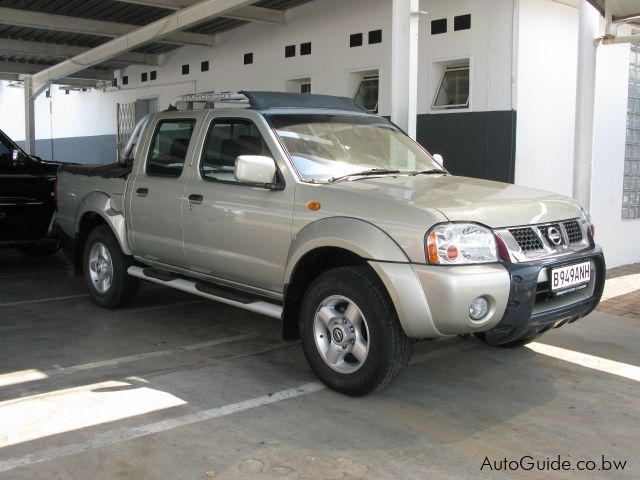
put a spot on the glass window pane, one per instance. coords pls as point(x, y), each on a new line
point(169, 147)
point(367, 94)
point(227, 140)
point(631, 178)
point(454, 89)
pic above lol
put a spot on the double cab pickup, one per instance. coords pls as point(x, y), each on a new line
point(308, 209)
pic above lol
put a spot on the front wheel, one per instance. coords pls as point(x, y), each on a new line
point(350, 332)
point(105, 270)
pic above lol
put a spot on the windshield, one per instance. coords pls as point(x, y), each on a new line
point(333, 147)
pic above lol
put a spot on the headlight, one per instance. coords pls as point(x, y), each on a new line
point(585, 218)
point(460, 243)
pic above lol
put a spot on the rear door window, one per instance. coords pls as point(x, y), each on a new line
point(169, 147)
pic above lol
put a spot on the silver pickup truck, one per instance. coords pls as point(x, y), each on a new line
point(308, 209)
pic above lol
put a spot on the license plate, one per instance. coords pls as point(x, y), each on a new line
point(570, 276)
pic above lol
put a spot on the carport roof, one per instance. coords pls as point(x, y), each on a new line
point(621, 10)
point(35, 34)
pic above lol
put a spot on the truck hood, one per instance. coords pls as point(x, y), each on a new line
point(494, 204)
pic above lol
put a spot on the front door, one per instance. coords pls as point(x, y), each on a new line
point(236, 232)
point(157, 193)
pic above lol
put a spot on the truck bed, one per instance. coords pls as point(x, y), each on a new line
point(113, 170)
point(78, 183)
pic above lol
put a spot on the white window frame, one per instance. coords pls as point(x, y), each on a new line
point(294, 84)
point(457, 106)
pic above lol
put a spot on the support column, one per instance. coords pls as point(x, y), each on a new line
point(404, 64)
point(29, 118)
point(585, 100)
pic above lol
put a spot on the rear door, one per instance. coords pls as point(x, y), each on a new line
point(157, 193)
point(24, 208)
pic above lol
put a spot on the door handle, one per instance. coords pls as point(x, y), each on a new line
point(142, 192)
point(194, 198)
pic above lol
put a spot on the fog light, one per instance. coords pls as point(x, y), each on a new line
point(478, 308)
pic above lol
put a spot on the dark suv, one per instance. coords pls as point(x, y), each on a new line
point(27, 190)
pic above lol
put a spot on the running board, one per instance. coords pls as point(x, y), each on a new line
point(263, 308)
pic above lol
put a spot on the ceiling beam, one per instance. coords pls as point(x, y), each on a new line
point(626, 18)
point(185, 18)
point(54, 50)
point(248, 13)
point(34, 68)
point(74, 82)
point(251, 13)
point(10, 77)
point(61, 23)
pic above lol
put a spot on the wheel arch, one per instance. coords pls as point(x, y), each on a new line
point(96, 210)
point(327, 244)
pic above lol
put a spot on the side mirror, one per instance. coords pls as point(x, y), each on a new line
point(439, 158)
point(255, 169)
point(18, 158)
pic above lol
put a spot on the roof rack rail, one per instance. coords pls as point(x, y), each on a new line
point(207, 100)
point(267, 100)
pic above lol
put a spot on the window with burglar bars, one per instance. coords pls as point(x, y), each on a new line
point(126, 118)
point(631, 185)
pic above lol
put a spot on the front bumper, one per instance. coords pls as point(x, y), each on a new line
point(433, 301)
point(531, 310)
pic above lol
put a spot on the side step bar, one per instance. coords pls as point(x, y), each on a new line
point(263, 308)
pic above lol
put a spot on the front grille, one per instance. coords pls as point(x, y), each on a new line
point(574, 232)
point(527, 239)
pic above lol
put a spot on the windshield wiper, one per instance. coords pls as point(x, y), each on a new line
point(372, 171)
point(431, 171)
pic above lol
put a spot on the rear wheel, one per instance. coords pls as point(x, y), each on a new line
point(105, 270)
point(350, 332)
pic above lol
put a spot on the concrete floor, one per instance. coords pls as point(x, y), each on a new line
point(175, 387)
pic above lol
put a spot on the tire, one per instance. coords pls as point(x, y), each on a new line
point(40, 250)
point(105, 270)
point(350, 308)
point(518, 342)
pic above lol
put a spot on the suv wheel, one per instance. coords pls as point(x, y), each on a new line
point(105, 270)
point(350, 332)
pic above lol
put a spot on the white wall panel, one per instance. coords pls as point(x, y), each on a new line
point(487, 44)
point(546, 82)
point(619, 238)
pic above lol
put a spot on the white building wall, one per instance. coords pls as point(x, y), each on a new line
point(619, 238)
point(546, 86)
point(12, 111)
point(546, 95)
point(327, 24)
point(333, 66)
point(487, 45)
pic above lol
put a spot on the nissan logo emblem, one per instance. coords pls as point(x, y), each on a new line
point(554, 236)
point(338, 336)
